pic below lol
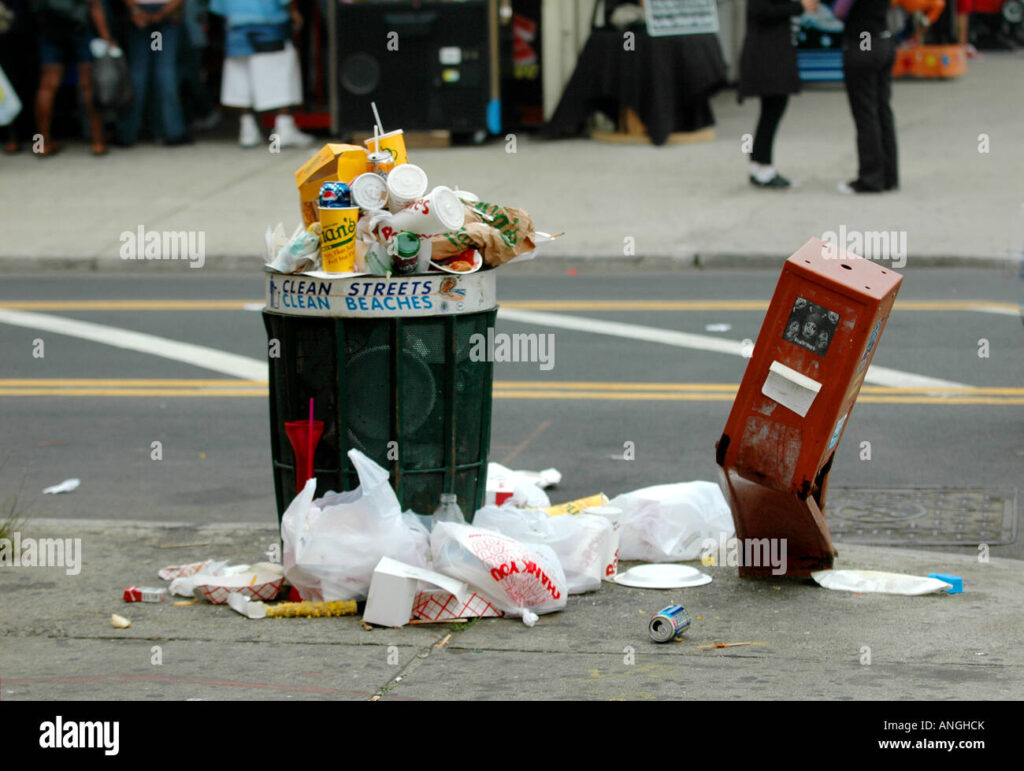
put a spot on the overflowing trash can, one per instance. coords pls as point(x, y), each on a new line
point(392, 365)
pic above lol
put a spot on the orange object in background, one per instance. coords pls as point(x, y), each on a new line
point(946, 61)
point(810, 359)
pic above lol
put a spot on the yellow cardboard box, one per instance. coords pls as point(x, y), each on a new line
point(334, 163)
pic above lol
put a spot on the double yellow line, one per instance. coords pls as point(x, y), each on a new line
point(503, 389)
point(726, 392)
point(130, 387)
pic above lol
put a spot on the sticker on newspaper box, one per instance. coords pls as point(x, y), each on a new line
point(811, 326)
point(377, 296)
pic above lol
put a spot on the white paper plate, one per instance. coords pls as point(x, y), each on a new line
point(662, 576)
point(478, 262)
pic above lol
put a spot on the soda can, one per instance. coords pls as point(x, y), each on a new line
point(669, 624)
point(335, 195)
point(145, 594)
point(381, 163)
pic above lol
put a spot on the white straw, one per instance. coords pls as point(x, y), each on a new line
point(376, 116)
point(376, 138)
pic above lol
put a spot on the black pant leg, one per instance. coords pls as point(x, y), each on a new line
point(862, 91)
point(772, 109)
point(887, 125)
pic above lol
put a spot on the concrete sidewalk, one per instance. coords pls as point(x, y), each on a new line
point(58, 644)
point(960, 160)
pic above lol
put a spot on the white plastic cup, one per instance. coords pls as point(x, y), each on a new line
point(406, 183)
point(369, 191)
point(439, 212)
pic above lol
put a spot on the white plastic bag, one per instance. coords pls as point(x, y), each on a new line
point(584, 544)
point(521, 579)
point(332, 545)
point(669, 523)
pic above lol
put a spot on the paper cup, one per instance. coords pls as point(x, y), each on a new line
point(338, 239)
point(369, 191)
point(406, 184)
point(439, 212)
point(394, 143)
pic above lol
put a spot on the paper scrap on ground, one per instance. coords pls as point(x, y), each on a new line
point(878, 581)
point(64, 487)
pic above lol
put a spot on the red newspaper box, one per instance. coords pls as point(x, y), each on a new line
point(810, 358)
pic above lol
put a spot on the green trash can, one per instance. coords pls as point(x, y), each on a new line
point(395, 371)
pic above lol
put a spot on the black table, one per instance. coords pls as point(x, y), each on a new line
point(667, 81)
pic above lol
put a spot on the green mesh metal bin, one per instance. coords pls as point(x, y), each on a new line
point(393, 379)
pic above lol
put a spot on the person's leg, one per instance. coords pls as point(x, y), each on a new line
point(99, 145)
point(772, 109)
point(49, 83)
point(887, 126)
point(166, 76)
point(139, 55)
point(862, 93)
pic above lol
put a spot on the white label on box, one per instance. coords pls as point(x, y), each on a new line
point(790, 388)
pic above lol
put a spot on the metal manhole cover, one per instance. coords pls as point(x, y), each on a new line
point(936, 516)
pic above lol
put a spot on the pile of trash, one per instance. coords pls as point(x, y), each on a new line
point(521, 557)
point(366, 210)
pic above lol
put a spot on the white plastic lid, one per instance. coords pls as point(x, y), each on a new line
point(407, 182)
point(369, 191)
point(448, 208)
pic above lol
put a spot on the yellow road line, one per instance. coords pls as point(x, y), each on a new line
point(139, 382)
point(729, 389)
point(715, 397)
point(132, 392)
point(537, 305)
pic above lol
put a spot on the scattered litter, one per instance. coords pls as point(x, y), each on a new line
point(524, 489)
point(671, 523)
point(443, 642)
point(171, 572)
point(717, 327)
point(433, 605)
point(64, 487)
point(662, 576)
point(416, 621)
point(255, 609)
point(393, 591)
point(956, 582)
point(578, 506)
point(585, 545)
point(145, 594)
point(119, 622)
point(521, 579)
point(333, 544)
point(367, 627)
point(669, 624)
point(261, 581)
point(878, 581)
point(186, 603)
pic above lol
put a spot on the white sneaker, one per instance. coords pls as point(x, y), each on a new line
point(249, 133)
point(288, 135)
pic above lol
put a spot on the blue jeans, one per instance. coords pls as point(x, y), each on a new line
point(165, 72)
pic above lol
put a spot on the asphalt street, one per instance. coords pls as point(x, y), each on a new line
point(92, 410)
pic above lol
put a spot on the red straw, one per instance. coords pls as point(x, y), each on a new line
point(309, 440)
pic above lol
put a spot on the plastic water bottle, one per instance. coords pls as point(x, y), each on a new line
point(449, 510)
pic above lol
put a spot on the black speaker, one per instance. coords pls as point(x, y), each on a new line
point(427, 65)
